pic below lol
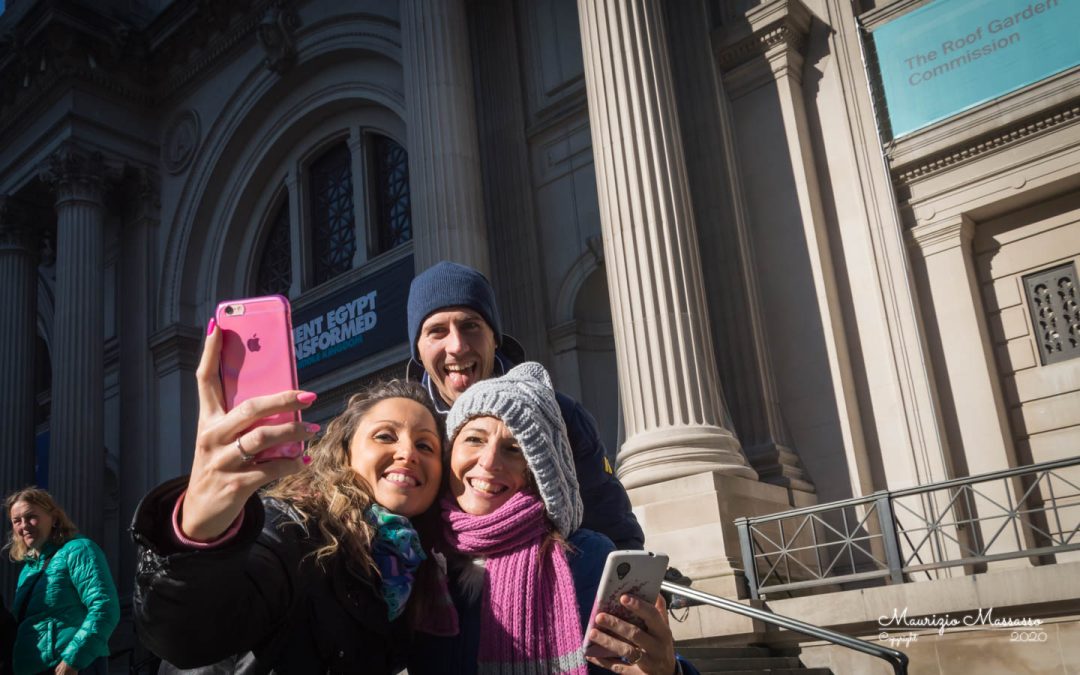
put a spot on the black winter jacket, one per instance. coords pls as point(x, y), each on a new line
point(256, 604)
point(607, 506)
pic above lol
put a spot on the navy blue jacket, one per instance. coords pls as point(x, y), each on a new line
point(607, 506)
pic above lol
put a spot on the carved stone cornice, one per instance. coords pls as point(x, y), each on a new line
point(208, 29)
point(59, 43)
point(780, 23)
point(1024, 130)
point(942, 235)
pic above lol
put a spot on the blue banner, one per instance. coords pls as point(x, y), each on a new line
point(362, 319)
point(951, 55)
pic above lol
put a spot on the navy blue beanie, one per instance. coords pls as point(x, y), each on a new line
point(448, 284)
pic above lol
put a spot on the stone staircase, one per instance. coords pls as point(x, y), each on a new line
point(746, 661)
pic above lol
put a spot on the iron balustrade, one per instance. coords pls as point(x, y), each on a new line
point(896, 536)
point(897, 659)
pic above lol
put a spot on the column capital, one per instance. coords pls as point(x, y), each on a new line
point(75, 172)
point(943, 235)
point(782, 25)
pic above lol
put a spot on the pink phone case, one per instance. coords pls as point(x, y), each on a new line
point(636, 573)
point(258, 358)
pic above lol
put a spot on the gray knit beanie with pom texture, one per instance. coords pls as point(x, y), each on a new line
point(525, 401)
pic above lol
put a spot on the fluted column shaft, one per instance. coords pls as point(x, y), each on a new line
point(77, 439)
point(672, 405)
point(444, 153)
point(18, 314)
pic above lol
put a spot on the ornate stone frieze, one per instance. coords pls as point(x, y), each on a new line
point(1025, 130)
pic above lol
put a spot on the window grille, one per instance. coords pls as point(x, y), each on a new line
point(393, 218)
point(334, 235)
point(1055, 313)
point(275, 263)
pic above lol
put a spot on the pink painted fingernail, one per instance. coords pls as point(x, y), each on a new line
point(307, 396)
point(210, 326)
point(306, 459)
point(311, 427)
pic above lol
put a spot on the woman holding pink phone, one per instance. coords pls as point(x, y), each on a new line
point(324, 571)
point(523, 574)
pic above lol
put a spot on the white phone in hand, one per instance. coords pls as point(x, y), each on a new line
point(636, 573)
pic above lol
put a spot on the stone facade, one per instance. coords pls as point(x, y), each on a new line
point(686, 209)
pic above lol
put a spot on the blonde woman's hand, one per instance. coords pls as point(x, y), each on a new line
point(63, 668)
point(649, 650)
point(223, 476)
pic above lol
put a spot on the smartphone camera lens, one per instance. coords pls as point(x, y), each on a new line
point(228, 309)
point(622, 570)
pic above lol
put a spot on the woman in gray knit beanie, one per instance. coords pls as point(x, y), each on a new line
point(522, 573)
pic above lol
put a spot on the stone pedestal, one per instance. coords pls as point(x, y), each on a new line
point(691, 519)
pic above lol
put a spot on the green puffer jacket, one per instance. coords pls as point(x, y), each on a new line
point(71, 611)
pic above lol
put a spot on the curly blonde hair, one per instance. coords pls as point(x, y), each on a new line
point(62, 531)
point(331, 493)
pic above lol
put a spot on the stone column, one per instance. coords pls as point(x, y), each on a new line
point(687, 476)
point(444, 153)
point(742, 335)
point(507, 187)
point(667, 371)
point(18, 314)
point(77, 440)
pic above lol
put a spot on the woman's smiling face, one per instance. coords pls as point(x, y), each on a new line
point(397, 450)
point(487, 466)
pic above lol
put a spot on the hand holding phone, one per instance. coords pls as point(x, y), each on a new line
point(258, 358)
point(636, 573)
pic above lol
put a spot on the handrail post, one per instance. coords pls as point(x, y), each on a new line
point(749, 566)
point(887, 521)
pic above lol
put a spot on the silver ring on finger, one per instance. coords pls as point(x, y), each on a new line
point(635, 656)
point(244, 457)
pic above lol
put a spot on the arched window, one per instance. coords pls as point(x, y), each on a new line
point(393, 219)
point(337, 235)
point(333, 226)
point(275, 262)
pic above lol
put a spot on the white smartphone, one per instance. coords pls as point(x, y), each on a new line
point(636, 573)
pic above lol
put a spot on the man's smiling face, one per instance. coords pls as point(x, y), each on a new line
point(457, 348)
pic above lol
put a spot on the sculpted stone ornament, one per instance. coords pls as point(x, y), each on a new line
point(276, 35)
point(181, 140)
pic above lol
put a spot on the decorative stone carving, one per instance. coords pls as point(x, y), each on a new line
point(180, 142)
point(275, 33)
point(75, 172)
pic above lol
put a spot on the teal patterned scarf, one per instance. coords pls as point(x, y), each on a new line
point(397, 553)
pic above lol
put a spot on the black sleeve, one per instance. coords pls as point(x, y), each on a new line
point(607, 506)
point(195, 608)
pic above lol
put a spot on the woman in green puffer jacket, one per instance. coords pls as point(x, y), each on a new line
point(65, 602)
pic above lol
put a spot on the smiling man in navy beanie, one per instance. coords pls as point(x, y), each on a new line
point(456, 338)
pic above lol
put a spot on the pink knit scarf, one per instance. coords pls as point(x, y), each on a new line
point(529, 616)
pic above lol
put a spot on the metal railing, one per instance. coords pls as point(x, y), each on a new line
point(905, 535)
point(897, 659)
